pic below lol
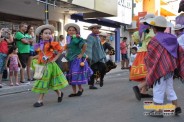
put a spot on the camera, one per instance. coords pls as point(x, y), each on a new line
point(45, 58)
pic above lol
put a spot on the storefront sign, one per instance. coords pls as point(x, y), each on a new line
point(124, 14)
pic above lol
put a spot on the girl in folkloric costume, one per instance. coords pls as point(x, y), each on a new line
point(79, 71)
point(138, 70)
point(48, 52)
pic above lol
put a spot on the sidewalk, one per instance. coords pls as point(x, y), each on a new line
point(28, 85)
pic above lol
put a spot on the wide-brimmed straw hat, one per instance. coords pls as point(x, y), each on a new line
point(47, 26)
point(159, 21)
point(143, 19)
point(178, 27)
point(103, 34)
point(72, 25)
point(95, 25)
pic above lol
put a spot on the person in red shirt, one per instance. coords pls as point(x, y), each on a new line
point(123, 47)
point(5, 38)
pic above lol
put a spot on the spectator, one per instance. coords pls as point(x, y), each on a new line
point(30, 36)
point(5, 38)
point(180, 34)
point(123, 47)
point(23, 44)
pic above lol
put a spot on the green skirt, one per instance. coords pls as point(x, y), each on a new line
point(53, 78)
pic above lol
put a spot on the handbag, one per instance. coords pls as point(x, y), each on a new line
point(39, 71)
point(64, 65)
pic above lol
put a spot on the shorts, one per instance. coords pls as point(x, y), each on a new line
point(2, 62)
point(32, 53)
point(14, 67)
point(24, 57)
point(124, 56)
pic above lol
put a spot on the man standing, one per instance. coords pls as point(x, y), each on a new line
point(23, 46)
point(96, 55)
point(123, 47)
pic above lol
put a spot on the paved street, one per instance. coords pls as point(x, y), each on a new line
point(115, 102)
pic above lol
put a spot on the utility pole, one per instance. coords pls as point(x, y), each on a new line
point(46, 11)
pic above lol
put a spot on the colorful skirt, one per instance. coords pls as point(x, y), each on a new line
point(138, 70)
point(53, 78)
point(77, 74)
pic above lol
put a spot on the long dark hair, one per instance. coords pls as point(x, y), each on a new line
point(12, 49)
point(28, 28)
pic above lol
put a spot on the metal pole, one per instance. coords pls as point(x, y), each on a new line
point(46, 12)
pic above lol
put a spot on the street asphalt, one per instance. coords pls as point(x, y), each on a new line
point(114, 102)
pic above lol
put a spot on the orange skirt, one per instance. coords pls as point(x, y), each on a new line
point(138, 70)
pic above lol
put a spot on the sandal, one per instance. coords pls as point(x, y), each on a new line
point(11, 84)
point(17, 84)
point(37, 104)
point(60, 98)
point(72, 95)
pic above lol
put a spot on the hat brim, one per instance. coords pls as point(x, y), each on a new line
point(149, 21)
point(72, 25)
point(92, 26)
point(177, 29)
point(40, 28)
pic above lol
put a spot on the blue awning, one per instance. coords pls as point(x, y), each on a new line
point(100, 21)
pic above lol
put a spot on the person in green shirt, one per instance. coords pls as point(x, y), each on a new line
point(23, 43)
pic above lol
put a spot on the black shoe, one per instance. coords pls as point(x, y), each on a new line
point(1, 86)
point(22, 82)
point(146, 96)
point(177, 111)
point(137, 92)
point(60, 98)
point(79, 93)
point(37, 104)
point(101, 83)
point(72, 95)
point(156, 114)
point(92, 87)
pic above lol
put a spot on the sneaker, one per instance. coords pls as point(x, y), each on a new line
point(92, 87)
point(137, 92)
point(177, 111)
point(37, 104)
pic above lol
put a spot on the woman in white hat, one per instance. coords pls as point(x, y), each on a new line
point(79, 71)
point(53, 78)
point(138, 70)
point(180, 34)
point(161, 61)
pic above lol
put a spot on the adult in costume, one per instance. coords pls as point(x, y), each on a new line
point(180, 18)
point(96, 54)
point(163, 58)
point(79, 70)
point(53, 78)
point(138, 70)
point(109, 50)
point(180, 34)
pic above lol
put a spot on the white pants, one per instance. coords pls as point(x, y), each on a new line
point(160, 88)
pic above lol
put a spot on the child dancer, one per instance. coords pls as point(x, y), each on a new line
point(79, 71)
point(53, 78)
point(161, 61)
point(13, 66)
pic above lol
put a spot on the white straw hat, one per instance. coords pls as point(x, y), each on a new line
point(159, 21)
point(143, 19)
point(95, 25)
point(178, 27)
point(40, 28)
point(103, 34)
point(72, 25)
